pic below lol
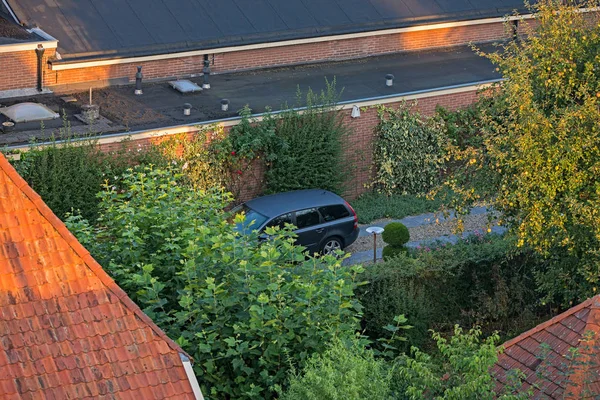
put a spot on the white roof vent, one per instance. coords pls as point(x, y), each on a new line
point(26, 112)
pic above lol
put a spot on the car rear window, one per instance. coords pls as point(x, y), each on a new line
point(336, 211)
point(308, 217)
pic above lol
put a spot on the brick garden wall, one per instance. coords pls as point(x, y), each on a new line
point(358, 146)
point(334, 50)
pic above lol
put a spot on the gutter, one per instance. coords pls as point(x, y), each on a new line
point(193, 127)
point(187, 366)
point(66, 65)
point(10, 11)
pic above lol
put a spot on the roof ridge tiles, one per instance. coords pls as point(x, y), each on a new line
point(84, 254)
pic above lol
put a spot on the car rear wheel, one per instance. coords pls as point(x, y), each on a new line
point(331, 245)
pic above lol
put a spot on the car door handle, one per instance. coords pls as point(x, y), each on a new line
point(320, 230)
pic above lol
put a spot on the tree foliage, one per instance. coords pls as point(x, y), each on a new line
point(346, 371)
point(409, 151)
point(461, 372)
point(540, 155)
point(247, 311)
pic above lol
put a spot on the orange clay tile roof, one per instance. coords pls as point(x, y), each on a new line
point(551, 371)
point(67, 331)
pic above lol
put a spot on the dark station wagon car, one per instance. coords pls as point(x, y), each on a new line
point(325, 222)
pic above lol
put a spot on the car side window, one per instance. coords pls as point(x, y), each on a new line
point(336, 211)
point(307, 218)
point(281, 221)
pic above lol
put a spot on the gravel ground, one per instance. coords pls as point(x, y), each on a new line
point(423, 232)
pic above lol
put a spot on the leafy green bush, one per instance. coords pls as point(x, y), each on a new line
point(393, 251)
point(463, 126)
point(308, 153)
point(246, 310)
point(68, 175)
point(479, 281)
point(346, 371)
point(409, 151)
point(460, 370)
point(395, 234)
point(372, 206)
point(296, 149)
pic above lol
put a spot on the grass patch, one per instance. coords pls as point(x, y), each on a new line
point(372, 206)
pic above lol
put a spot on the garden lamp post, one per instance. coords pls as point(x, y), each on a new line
point(374, 230)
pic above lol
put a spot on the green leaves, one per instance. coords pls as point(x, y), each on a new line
point(409, 151)
point(538, 155)
point(247, 311)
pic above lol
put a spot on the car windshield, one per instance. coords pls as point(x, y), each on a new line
point(253, 221)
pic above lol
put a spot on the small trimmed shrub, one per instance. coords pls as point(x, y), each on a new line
point(395, 234)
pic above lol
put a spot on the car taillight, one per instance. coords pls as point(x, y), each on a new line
point(353, 213)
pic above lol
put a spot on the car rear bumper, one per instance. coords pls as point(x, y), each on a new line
point(351, 238)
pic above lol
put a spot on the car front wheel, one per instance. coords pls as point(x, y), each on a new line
point(331, 245)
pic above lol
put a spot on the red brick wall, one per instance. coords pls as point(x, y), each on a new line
point(359, 47)
point(287, 55)
point(358, 147)
point(18, 70)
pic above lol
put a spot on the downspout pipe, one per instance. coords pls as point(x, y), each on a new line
point(40, 73)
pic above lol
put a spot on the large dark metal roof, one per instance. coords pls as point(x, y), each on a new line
point(119, 28)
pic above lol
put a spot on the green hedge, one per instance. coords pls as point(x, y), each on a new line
point(68, 175)
point(479, 281)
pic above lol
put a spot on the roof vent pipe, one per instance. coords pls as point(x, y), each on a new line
point(389, 80)
point(187, 109)
point(138, 81)
point(206, 72)
point(40, 56)
point(224, 105)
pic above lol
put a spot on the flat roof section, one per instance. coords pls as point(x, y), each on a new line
point(11, 33)
point(88, 29)
point(161, 106)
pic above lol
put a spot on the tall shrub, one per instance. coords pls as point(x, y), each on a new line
point(308, 153)
point(246, 310)
point(409, 151)
point(69, 174)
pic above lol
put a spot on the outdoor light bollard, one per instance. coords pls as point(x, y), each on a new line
point(206, 72)
point(187, 109)
point(138, 81)
point(374, 230)
point(224, 105)
point(389, 80)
